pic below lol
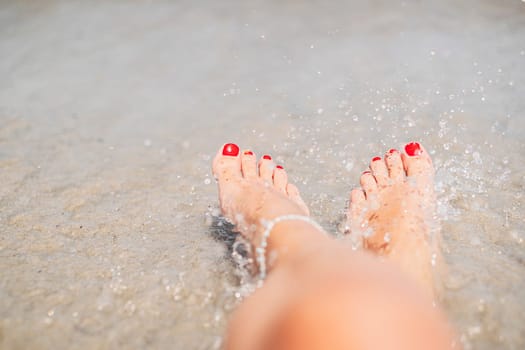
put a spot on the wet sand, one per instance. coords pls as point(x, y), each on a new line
point(111, 112)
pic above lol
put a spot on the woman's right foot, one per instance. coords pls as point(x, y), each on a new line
point(393, 213)
point(253, 193)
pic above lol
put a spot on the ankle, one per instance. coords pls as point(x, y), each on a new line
point(291, 239)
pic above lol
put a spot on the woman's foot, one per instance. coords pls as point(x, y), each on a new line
point(253, 192)
point(321, 294)
point(393, 213)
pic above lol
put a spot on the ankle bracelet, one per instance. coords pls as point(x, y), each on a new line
point(268, 227)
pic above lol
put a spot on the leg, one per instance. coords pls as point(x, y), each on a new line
point(319, 294)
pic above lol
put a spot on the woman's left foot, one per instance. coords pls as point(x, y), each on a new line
point(393, 213)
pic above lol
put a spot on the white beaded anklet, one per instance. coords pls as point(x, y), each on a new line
point(269, 225)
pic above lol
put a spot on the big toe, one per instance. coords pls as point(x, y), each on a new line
point(416, 160)
point(227, 163)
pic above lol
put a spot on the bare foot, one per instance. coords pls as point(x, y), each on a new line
point(309, 300)
point(393, 213)
point(252, 191)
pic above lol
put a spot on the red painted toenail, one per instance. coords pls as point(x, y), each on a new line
point(279, 167)
point(413, 149)
point(267, 157)
point(392, 151)
point(366, 172)
point(230, 149)
point(376, 158)
point(248, 153)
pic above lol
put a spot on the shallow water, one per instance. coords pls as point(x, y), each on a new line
point(111, 112)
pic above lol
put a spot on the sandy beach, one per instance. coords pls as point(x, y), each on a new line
point(111, 111)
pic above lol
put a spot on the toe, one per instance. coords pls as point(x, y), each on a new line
point(249, 165)
point(280, 178)
point(394, 165)
point(357, 197)
point(266, 168)
point(416, 161)
point(379, 170)
point(357, 202)
point(293, 194)
point(227, 163)
point(368, 183)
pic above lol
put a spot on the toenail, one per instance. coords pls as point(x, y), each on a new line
point(267, 157)
point(366, 172)
point(376, 158)
point(413, 149)
point(230, 149)
point(248, 153)
point(279, 167)
point(392, 151)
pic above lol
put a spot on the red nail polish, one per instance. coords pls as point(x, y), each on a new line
point(248, 153)
point(413, 149)
point(230, 149)
point(392, 151)
point(366, 172)
point(376, 158)
point(267, 157)
point(279, 167)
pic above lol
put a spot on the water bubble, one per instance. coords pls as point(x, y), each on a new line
point(474, 331)
point(147, 143)
point(207, 181)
